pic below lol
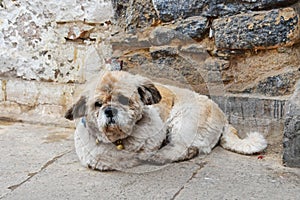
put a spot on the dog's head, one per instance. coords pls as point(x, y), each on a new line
point(116, 103)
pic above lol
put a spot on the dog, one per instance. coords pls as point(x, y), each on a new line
point(126, 120)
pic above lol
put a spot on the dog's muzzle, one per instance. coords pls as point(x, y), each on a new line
point(110, 114)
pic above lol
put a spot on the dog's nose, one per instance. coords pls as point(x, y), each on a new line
point(110, 112)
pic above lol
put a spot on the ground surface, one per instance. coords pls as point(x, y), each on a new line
point(39, 162)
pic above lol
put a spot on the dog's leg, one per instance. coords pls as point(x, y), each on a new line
point(193, 128)
point(182, 134)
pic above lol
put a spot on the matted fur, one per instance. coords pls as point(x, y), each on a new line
point(155, 123)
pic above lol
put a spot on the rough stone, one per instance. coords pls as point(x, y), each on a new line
point(162, 36)
point(265, 29)
point(190, 29)
point(279, 84)
point(291, 138)
point(131, 15)
point(129, 42)
point(214, 77)
point(193, 27)
point(247, 72)
point(216, 64)
point(194, 48)
point(163, 52)
point(174, 9)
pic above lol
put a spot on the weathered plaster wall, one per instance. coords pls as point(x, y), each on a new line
point(47, 48)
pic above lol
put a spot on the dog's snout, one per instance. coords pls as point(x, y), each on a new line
point(110, 112)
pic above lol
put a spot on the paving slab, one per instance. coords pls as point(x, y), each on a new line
point(39, 162)
point(27, 149)
point(228, 175)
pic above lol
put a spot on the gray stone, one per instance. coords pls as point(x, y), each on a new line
point(174, 9)
point(132, 15)
point(162, 36)
point(195, 48)
point(193, 27)
point(291, 138)
point(256, 30)
point(214, 77)
point(129, 42)
point(252, 113)
point(163, 52)
point(216, 64)
point(276, 85)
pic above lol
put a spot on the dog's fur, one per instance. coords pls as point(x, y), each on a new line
point(155, 123)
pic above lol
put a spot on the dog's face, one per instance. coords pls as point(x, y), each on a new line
point(114, 106)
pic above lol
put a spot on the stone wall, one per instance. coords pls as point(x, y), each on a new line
point(244, 54)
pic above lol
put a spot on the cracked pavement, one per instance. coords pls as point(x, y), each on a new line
point(39, 162)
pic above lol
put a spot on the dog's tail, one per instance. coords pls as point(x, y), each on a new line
point(254, 142)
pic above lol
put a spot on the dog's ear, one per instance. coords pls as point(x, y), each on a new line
point(149, 93)
point(77, 110)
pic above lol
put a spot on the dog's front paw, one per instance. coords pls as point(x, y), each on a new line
point(190, 153)
point(96, 165)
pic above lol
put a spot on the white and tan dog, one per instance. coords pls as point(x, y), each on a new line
point(126, 120)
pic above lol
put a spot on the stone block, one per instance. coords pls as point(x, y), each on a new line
point(291, 138)
point(173, 9)
point(162, 36)
point(163, 52)
point(215, 64)
point(129, 42)
point(193, 27)
point(279, 84)
point(266, 29)
point(131, 15)
point(33, 93)
point(214, 77)
point(195, 48)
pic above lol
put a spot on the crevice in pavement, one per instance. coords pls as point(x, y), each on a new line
point(201, 165)
point(31, 175)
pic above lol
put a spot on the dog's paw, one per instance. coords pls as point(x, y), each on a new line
point(96, 165)
point(191, 153)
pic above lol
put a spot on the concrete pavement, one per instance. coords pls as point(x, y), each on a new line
point(39, 162)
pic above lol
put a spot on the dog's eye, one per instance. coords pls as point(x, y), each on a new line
point(123, 100)
point(98, 104)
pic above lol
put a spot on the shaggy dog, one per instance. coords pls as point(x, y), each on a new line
point(127, 120)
